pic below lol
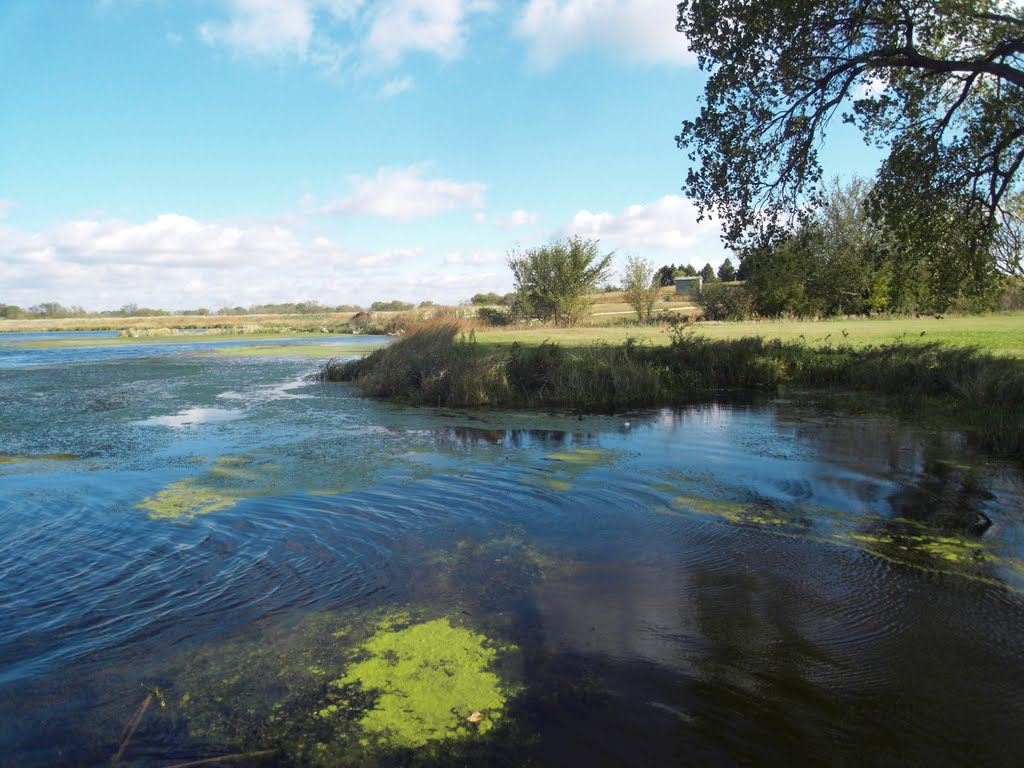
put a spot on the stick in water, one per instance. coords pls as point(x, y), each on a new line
point(223, 759)
point(129, 730)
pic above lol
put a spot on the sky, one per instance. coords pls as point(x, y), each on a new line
point(178, 154)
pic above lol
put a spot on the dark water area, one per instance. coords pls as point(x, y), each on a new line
point(238, 560)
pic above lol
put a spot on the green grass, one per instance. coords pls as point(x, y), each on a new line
point(999, 333)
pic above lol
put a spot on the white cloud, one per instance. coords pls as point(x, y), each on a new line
point(668, 224)
point(5, 206)
point(326, 33)
point(476, 258)
point(174, 261)
point(264, 27)
point(403, 194)
point(394, 87)
point(638, 30)
point(429, 26)
point(516, 219)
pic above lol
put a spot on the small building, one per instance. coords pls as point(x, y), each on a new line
point(688, 286)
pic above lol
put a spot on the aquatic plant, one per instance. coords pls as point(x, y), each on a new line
point(433, 681)
point(346, 689)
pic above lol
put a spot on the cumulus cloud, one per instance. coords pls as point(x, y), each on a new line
point(326, 32)
point(174, 261)
point(404, 194)
point(516, 219)
point(264, 27)
point(437, 27)
point(638, 30)
point(668, 224)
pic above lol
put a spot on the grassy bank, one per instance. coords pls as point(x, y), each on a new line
point(439, 365)
point(999, 333)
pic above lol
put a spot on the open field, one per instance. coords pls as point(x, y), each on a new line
point(277, 323)
point(118, 341)
point(998, 333)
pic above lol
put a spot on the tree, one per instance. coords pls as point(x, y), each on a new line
point(667, 275)
point(483, 299)
point(727, 272)
point(940, 84)
point(552, 281)
point(1008, 245)
point(641, 284)
point(707, 273)
point(690, 271)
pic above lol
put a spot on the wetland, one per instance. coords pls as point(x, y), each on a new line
point(242, 561)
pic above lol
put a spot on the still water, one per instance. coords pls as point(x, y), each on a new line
point(208, 556)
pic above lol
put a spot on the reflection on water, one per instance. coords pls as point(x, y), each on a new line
point(760, 582)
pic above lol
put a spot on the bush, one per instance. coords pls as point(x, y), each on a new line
point(494, 317)
point(725, 302)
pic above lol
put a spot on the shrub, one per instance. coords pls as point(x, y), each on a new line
point(725, 302)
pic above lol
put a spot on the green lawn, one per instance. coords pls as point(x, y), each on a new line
point(998, 333)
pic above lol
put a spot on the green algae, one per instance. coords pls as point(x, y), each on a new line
point(433, 680)
point(185, 499)
point(352, 688)
point(565, 469)
point(588, 456)
point(910, 543)
point(230, 480)
point(15, 459)
point(738, 512)
point(301, 469)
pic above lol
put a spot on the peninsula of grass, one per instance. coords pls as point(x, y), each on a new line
point(438, 364)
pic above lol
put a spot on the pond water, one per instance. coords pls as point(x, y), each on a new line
point(208, 556)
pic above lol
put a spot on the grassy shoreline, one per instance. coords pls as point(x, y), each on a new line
point(439, 365)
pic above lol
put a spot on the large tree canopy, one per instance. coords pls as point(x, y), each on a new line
point(940, 84)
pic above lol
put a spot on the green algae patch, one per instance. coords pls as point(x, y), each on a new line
point(737, 512)
point(13, 459)
point(433, 680)
point(185, 499)
point(580, 456)
point(358, 688)
point(564, 469)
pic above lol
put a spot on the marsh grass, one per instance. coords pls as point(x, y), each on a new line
point(437, 364)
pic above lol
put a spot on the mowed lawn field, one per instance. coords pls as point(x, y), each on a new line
point(998, 333)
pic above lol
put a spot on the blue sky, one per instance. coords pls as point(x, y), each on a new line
point(178, 153)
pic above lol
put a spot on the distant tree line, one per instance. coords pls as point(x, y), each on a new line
point(846, 258)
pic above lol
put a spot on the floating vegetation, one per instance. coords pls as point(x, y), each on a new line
point(7, 458)
point(224, 485)
point(346, 690)
point(306, 469)
point(433, 680)
point(907, 542)
point(565, 468)
point(742, 512)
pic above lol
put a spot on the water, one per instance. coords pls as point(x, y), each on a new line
point(16, 348)
point(766, 582)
